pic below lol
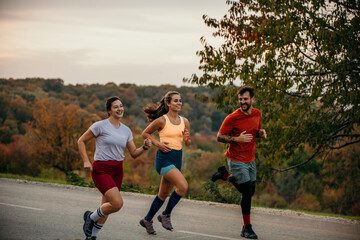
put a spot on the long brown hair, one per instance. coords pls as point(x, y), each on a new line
point(155, 111)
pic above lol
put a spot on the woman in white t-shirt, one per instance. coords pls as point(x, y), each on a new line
point(111, 138)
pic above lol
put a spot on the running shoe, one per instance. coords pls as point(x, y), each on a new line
point(165, 221)
point(219, 174)
point(231, 179)
point(91, 238)
point(247, 232)
point(88, 224)
point(148, 225)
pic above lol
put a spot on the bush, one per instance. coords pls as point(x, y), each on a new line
point(74, 179)
point(221, 193)
point(269, 200)
point(307, 202)
point(51, 173)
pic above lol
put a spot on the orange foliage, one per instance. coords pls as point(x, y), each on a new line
point(204, 167)
point(136, 170)
point(55, 131)
point(307, 202)
point(356, 209)
point(270, 188)
point(18, 157)
point(333, 198)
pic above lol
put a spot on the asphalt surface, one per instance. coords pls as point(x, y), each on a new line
point(30, 210)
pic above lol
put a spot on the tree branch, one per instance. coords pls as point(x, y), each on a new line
point(317, 152)
point(310, 58)
point(344, 145)
point(347, 135)
point(295, 94)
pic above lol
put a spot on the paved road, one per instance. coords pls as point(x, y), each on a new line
point(31, 210)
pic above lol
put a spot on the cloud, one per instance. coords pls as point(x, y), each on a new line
point(82, 40)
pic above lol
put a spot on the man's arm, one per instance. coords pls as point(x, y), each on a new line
point(225, 138)
point(243, 137)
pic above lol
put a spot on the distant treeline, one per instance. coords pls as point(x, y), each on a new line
point(203, 115)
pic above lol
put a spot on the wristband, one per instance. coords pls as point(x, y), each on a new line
point(144, 148)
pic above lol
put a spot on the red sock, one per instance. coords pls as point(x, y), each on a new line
point(225, 176)
point(246, 219)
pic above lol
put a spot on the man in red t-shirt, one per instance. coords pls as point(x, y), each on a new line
point(240, 129)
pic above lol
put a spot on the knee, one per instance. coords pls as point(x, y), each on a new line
point(163, 195)
point(252, 188)
point(117, 205)
point(181, 189)
point(247, 189)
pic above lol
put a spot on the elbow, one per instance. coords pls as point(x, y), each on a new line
point(79, 142)
point(134, 155)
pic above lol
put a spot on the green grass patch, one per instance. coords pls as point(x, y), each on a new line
point(327, 214)
point(313, 213)
point(28, 178)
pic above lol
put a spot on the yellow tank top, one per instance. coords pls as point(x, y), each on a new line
point(172, 133)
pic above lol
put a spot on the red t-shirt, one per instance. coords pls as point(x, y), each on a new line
point(234, 124)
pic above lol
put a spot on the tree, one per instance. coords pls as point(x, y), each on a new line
point(55, 85)
point(302, 57)
point(17, 157)
point(55, 131)
point(341, 177)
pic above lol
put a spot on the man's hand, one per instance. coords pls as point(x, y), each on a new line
point(244, 137)
point(262, 133)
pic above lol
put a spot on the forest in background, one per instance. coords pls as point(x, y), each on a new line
point(41, 120)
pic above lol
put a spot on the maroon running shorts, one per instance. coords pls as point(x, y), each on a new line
point(107, 174)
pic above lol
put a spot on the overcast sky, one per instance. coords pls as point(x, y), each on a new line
point(146, 42)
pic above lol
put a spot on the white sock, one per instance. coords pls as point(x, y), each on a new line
point(97, 215)
point(96, 228)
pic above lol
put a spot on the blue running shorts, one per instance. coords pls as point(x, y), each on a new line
point(164, 162)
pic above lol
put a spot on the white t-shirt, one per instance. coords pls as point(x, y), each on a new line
point(110, 141)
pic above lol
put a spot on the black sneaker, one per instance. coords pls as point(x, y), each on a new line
point(231, 179)
point(219, 174)
point(91, 238)
point(247, 232)
point(88, 224)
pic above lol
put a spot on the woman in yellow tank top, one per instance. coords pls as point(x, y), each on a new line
point(173, 131)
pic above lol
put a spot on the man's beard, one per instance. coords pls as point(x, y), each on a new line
point(247, 107)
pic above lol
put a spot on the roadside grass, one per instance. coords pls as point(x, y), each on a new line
point(329, 214)
point(139, 190)
point(35, 179)
point(324, 214)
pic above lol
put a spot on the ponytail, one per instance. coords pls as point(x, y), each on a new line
point(155, 111)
